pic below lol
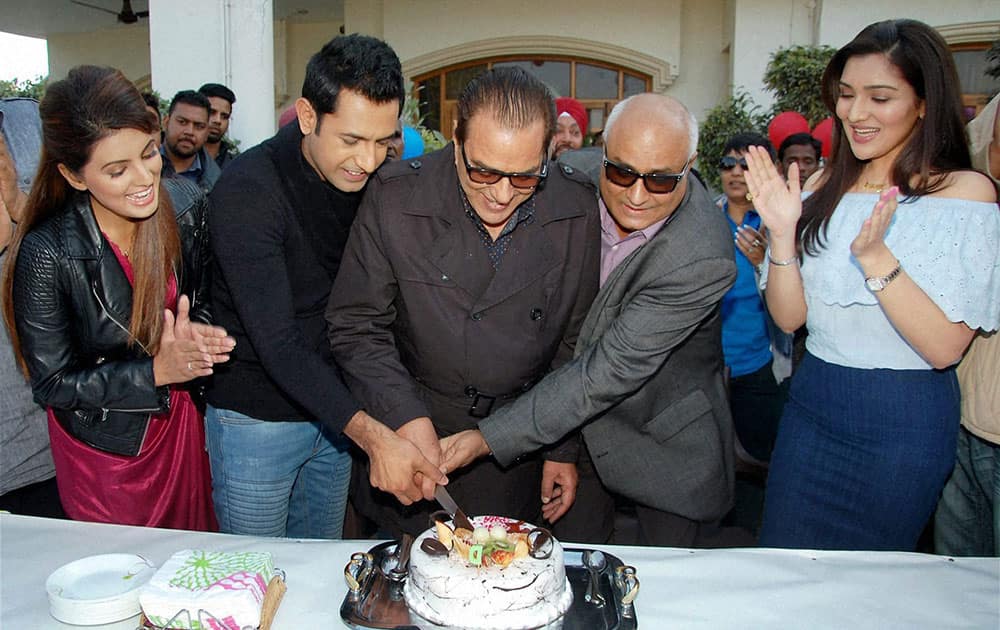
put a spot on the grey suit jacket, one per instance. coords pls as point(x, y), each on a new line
point(646, 381)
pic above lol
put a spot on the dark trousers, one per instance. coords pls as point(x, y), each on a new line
point(756, 401)
point(601, 517)
point(36, 499)
point(591, 518)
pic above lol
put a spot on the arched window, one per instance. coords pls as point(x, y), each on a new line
point(969, 42)
point(977, 87)
point(597, 85)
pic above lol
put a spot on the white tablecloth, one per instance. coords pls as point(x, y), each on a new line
point(681, 588)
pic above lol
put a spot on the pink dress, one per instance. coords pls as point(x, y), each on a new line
point(168, 484)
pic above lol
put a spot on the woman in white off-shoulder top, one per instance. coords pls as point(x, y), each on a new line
point(892, 263)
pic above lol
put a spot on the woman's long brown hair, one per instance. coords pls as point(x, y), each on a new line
point(88, 105)
point(938, 144)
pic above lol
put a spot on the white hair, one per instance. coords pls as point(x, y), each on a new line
point(692, 122)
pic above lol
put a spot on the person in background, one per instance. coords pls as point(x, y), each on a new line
point(221, 100)
point(152, 104)
point(892, 262)
point(185, 130)
point(279, 416)
point(413, 143)
point(395, 149)
point(571, 126)
point(802, 150)
point(287, 116)
point(27, 473)
point(757, 354)
point(755, 396)
point(967, 521)
point(105, 300)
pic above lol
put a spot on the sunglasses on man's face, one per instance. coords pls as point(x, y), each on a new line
point(524, 181)
point(729, 162)
point(655, 183)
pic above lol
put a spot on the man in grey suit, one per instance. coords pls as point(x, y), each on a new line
point(646, 381)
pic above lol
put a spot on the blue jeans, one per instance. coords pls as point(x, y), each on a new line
point(967, 522)
point(277, 478)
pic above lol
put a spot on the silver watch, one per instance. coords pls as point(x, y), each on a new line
point(877, 283)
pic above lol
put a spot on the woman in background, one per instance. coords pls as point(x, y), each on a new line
point(892, 263)
point(755, 396)
point(105, 304)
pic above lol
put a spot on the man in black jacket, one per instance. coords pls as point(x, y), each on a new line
point(280, 218)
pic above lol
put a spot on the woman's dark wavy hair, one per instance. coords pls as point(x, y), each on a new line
point(937, 146)
point(77, 112)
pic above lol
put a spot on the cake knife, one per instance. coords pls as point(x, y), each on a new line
point(457, 515)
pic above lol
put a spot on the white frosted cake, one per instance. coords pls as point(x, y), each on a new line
point(498, 576)
point(217, 590)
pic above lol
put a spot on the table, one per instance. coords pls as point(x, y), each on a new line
point(681, 588)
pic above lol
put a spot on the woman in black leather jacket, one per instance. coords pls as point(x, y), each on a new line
point(106, 305)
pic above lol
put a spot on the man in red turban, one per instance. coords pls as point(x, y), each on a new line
point(571, 125)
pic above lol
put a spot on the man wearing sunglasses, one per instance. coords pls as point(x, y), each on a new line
point(646, 383)
point(466, 278)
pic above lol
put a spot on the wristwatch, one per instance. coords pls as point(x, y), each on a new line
point(877, 283)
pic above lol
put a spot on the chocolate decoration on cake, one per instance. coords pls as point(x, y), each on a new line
point(433, 547)
point(540, 543)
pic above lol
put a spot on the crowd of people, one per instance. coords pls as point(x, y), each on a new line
point(312, 335)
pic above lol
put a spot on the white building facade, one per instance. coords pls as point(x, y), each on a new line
point(699, 51)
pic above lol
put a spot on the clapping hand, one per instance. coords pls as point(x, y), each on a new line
point(779, 203)
point(752, 243)
point(869, 245)
point(210, 339)
point(187, 351)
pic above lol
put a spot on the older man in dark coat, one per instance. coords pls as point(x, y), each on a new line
point(646, 383)
point(466, 278)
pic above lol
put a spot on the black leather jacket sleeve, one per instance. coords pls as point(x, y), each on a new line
point(191, 208)
point(45, 310)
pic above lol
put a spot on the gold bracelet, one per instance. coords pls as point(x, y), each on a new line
point(782, 263)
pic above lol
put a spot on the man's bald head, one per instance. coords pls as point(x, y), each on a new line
point(646, 134)
point(652, 109)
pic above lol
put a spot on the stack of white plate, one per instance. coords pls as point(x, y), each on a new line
point(98, 589)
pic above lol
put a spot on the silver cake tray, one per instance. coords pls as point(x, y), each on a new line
point(374, 600)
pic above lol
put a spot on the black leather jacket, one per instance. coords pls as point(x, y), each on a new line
point(73, 304)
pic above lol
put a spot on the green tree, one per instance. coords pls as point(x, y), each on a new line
point(993, 60)
point(793, 75)
point(433, 140)
point(739, 114)
point(30, 88)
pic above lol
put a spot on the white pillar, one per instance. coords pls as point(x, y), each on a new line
point(231, 42)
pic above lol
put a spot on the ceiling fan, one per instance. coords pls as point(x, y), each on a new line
point(125, 16)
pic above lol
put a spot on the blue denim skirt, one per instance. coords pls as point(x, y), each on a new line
point(861, 457)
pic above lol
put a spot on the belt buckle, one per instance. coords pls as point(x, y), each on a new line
point(482, 405)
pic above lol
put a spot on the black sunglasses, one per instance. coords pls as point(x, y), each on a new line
point(481, 175)
point(728, 163)
point(656, 183)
